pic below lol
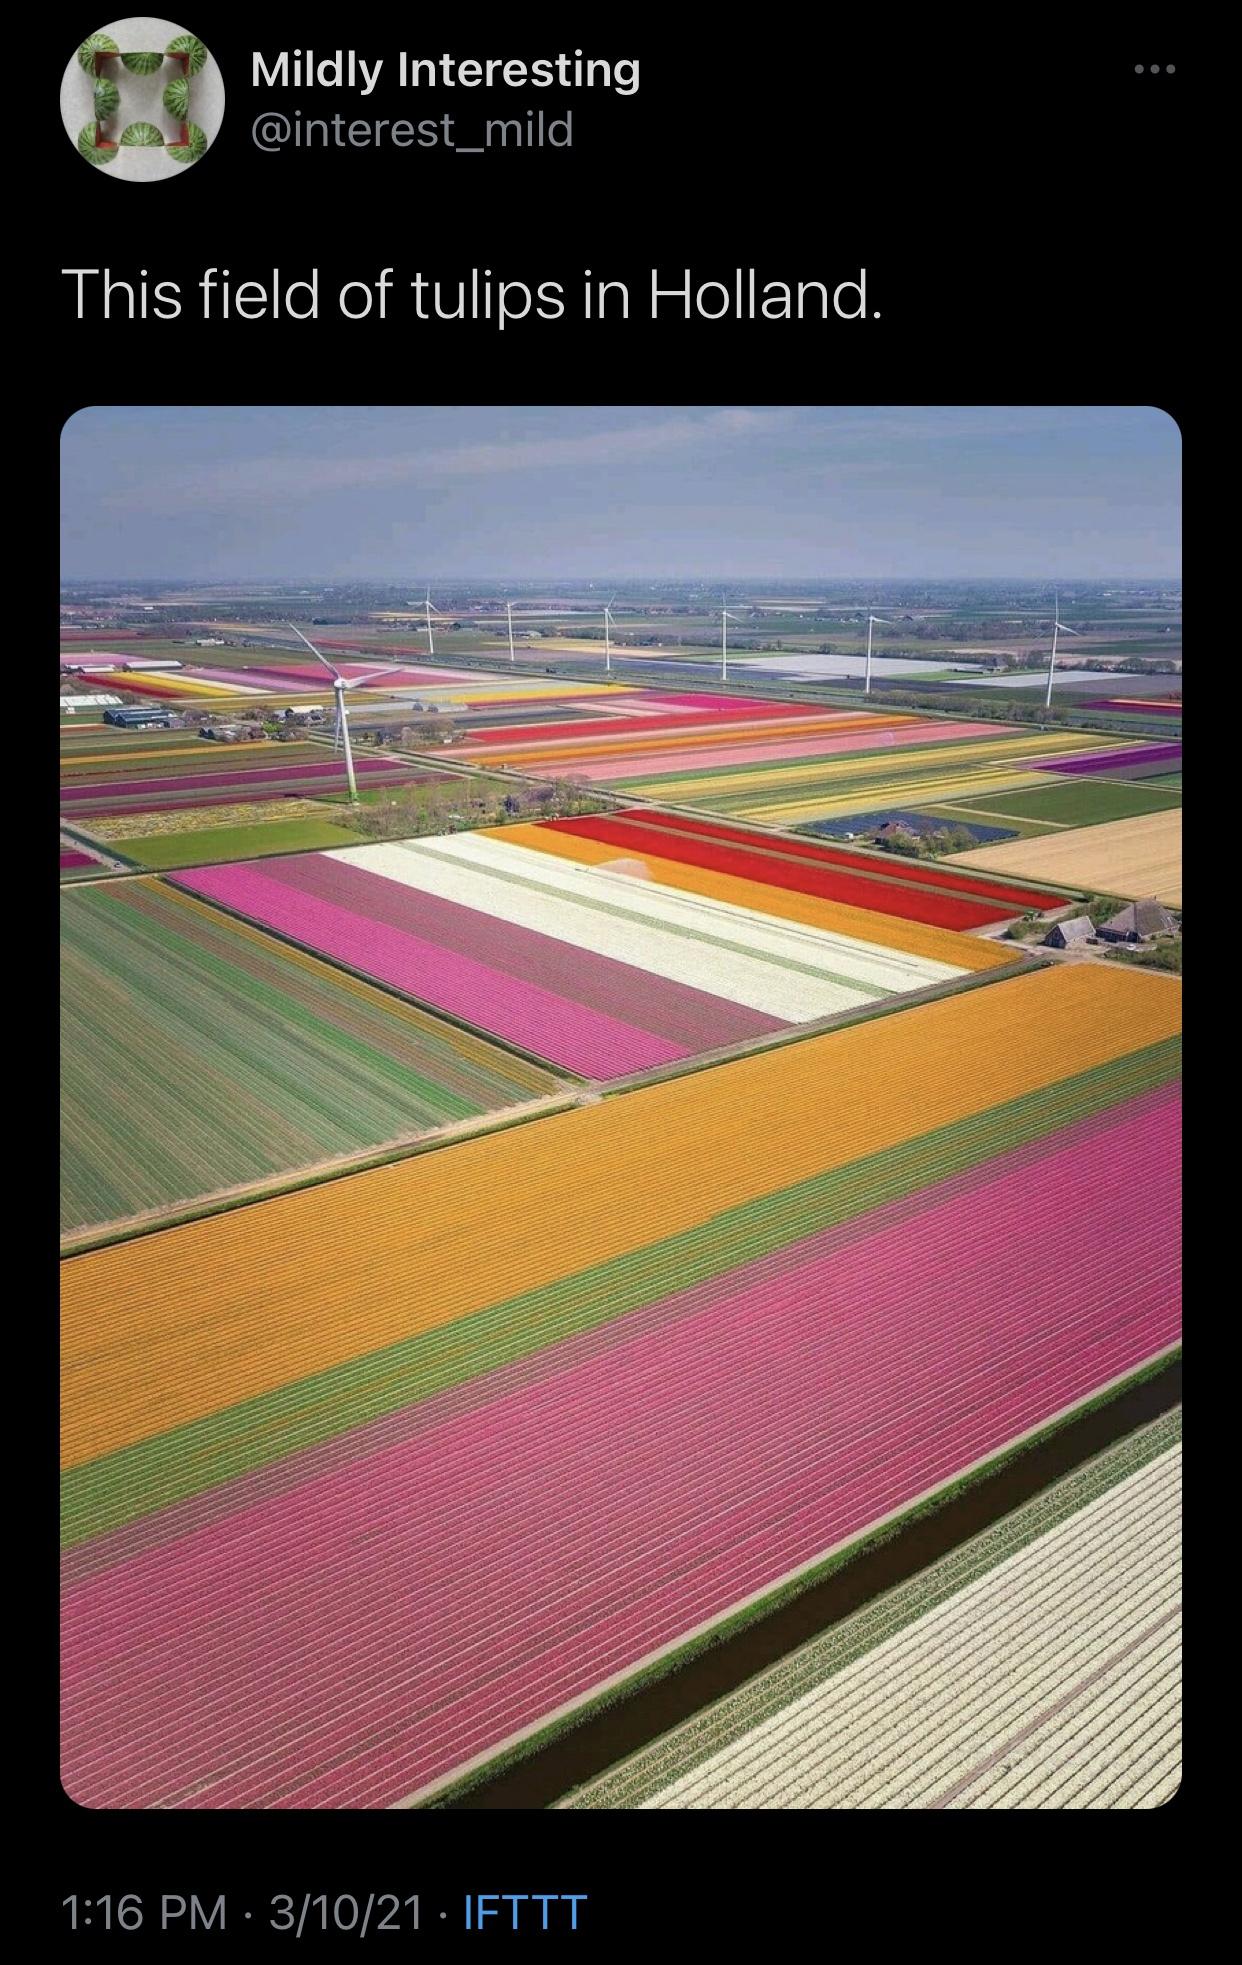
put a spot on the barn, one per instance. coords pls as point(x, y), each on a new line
point(1078, 933)
point(1138, 922)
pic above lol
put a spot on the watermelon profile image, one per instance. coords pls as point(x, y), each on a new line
point(142, 100)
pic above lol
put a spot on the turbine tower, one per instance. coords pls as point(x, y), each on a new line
point(509, 614)
point(872, 620)
point(608, 636)
point(1058, 627)
point(430, 610)
point(725, 617)
point(340, 734)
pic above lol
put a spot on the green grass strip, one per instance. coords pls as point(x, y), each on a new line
point(151, 1474)
point(166, 851)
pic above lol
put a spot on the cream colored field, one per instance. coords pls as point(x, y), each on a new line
point(1137, 858)
point(1053, 1681)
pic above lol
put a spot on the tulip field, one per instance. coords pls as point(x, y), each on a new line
point(366, 1483)
point(1139, 858)
point(793, 764)
point(502, 1263)
point(198, 1055)
point(941, 896)
point(95, 785)
point(1144, 706)
point(598, 972)
point(1134, 761)
point(1038, 1665)
point(75, 861)
point(786, 763)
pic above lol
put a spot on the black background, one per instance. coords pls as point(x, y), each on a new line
point(1018, 202)
point(1016, 207)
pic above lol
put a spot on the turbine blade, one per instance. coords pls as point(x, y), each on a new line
point(314, 651)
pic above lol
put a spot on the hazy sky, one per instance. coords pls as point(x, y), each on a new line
point(404, 493)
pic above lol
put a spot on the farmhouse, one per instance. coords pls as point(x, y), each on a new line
point(1078, 933)
point(894, 832)
point(1138, 923)
point(232, 733)
point(137, 718)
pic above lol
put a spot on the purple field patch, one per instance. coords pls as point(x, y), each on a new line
point(1101, 762)
point(1132, 706)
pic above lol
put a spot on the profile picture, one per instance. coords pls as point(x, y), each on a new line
point(142, 99)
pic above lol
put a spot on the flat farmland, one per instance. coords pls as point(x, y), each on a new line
point(1137, 705)
point(657, 734)
point(1038, 1666)
point(929, 771)
point(1131, 761)
point(650, 858)
point(191, 686)
point(199, 1055)
point(152, 779)
point(208, 846)
point(283, 1478)
point(1077, 802)
point(597, 972)
point(212, 818)
point(1139, 859)
point(936, 895)
point(76, 863)
point(119, 756)
point(103, 740)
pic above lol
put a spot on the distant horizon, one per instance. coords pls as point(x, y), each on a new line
point(283, 582)
point(558, 493)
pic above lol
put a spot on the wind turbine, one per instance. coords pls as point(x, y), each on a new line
point(608, 636)
point(872, 620)
point(1058, 627)
point(339, 686)
point(509, 612)
point(430, 610)
point(726, 615)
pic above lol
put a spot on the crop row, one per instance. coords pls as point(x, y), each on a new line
point(407, 1256)
point(390, 1390)
point(759, 896)
point(198, 1054)
point(1138, 705)
point(1023, 1679)
point(1138, 857)
point(146, 754)
point(601, 974)
point(648, 742)
point(1137, 757)
point(831, 872)
point(756, 748)
point(264, 780)
point(369, 1630)
point(791, 791)
point(594, 1016)
point(669, 1760)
